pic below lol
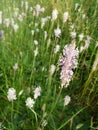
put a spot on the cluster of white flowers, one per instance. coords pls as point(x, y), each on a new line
point(6, 22)
point(16, 12)
point(73, 34)
point(76, 6)
point(37, 92)
point(87, 43)
point(54, 14)
point(52, 69)
point(45, 35)
point(68, 61)
point(57, 48)
point(30, 102)
point(44, 20)
point(15, 67)
point(15, 27)
point(11, 94)
point(38, 9)
point(65, 17)
point(57, 32)
point(36, 52)
point(35, 42)
point(67, 100)
point(32, 32)
point(81, 36)
point(26, 5)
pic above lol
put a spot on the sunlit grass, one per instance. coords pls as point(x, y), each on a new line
point(30, 53)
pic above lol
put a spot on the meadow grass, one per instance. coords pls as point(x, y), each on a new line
point(37, 92)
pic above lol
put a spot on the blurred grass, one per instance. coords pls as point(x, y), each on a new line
point(22, 41)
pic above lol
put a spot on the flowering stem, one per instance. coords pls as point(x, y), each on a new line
point(86, 84)
point(12, 115)
point(34, 114)
point(54, 104)
point(32, 70)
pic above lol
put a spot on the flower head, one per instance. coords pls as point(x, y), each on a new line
point(15, 67)
point(35, 42)
point(57, 32)
point(37, 92)
point(67, 99)
point(29, 102)
point(52, 69)
point(81, 36)
point(11, 94)
point(36, 52)
point(57, 48)
point(15, 27)
point(73, 34)
point(65, 17)
point(54, 14)
point(6, 22)
point(68, 62)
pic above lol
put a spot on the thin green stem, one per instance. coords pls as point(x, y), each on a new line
point(54, 104)
point(12, 115)
point(64, 124)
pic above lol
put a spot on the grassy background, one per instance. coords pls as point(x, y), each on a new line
point(18, 47)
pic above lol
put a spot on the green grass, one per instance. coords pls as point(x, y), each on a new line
point(33, 71)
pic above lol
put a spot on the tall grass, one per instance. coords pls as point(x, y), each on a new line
point(30, 53)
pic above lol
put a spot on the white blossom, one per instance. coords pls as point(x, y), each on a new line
point(65, 17)
point(45, 35)
point(87, 43)
point(52, 69)
point(54, 14)
point(36, 52)
point(67, 100)
point(57, 32)
point(29, 102)
point(31, 9)
point(37, 10)
point(73, 34)
point(42, 10)
point(81, 36)
point(11, 94)
point(15, 67)
point(20, 18)
point(6, 22)
point(16, 12)
point(57, 48)
point(48, 42)
point(83, 16)
point(43, 21)
point(32, 32)
point(26, 5)
point(76, 5)
point(20, 93)
point(35, 42)
point(37, 92)
point(15, 27)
